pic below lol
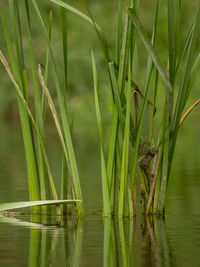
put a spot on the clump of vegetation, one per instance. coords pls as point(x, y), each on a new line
point(141, 164)
point(41, 183)
point(139, 159)
point(146, 154)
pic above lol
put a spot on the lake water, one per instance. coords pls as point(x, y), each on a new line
point(27, 240)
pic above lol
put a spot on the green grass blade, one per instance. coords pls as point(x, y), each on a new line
point(125, 155)
point(65, 181)
point(116, 93)
point(106, 200)
point(172, 39)
point(124, 56)
point(46, 74)
point(73, 10)
point(182, 96)
point(185, 48)
point(149, 48)
point(165, 159)
point(111, 151)
point(64, 44)
point(17, 34)
point(29, 204)
point(119, 31)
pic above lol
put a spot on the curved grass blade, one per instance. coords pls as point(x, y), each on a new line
point(55, 115)
point(51, 181)
point(188, 112)
point(73, 10)
point(29, 204)
point(16, 222)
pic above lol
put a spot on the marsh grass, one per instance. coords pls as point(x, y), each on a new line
point(144, 159)
point(41, 182)
point(135, 168)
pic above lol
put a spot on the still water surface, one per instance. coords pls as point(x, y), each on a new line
point(48, 241)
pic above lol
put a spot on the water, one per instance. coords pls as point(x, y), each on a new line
point(27, 240)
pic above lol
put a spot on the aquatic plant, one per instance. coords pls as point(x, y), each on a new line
point(41, 182)
point(137, 167)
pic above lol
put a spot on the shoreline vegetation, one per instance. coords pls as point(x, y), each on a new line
point(135, 168)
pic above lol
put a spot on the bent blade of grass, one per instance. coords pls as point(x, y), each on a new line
point(5, 63)
point(54, 114)
point(188, 112)
point(73, 10)
point(66, 162)
point(106, 199)
point(29, 204)
point(149, 48)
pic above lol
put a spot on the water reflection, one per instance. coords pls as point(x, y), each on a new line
point(136, 242)
point(51, 241)
point(44, 245)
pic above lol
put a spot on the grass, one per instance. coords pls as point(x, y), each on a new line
point(143, 159)
point(136, 165)
point(41, 182)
